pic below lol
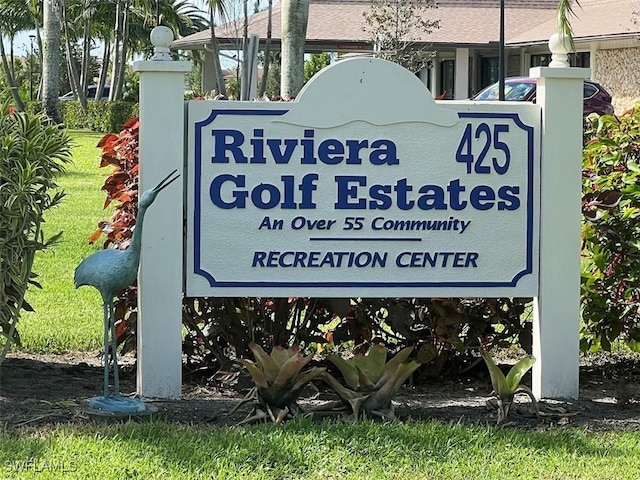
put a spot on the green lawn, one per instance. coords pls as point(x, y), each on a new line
point(66, 318)
point(303, 450)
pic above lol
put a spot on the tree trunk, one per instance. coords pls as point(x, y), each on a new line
point(81, 94)
point(124, 53)
point(267, 54)
point(115, 51)
point(86, 51)
point(11, 81)
point(51, 60)
point(295, 14)
point(104, 68)
point(215, 53)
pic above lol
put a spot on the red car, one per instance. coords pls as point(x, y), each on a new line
point(523, 89)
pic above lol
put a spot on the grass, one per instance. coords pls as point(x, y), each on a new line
point(65, 318)
point(304, 450)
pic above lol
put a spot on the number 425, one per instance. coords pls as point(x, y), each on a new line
point(488, 138)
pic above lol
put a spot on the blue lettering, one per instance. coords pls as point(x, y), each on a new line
point(380, 199)
point(216, 194)
point(308, 158)
point(432, 197)
point(509, 198)
point(307, 187)
point(386, 152)
point(354, 147)
point(454, 188)
point(331, 152)
point(258, 147)
point(402, 188)
point(273, 196)
point(482, 197)
point(347, 192)
point(279, 156)
point(258, 259)
point(221, 147)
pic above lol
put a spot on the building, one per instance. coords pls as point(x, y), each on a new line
point(466, 44)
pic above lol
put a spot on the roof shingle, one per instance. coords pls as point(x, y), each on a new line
point(462, 22)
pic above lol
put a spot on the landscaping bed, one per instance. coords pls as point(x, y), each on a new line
point(38, 390)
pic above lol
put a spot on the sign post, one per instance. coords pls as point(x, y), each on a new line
point(160, 281)
point(556, 324)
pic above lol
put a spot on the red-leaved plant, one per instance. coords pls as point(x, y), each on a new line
point(120, 151)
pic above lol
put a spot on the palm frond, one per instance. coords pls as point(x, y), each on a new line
point(565, 13)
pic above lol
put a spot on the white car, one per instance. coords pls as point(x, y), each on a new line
point(91, 93)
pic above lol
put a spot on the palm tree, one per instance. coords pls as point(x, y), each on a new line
point(217, 7)
point(51, 59)
point(267, 54)
point(565, 11)
point(74, 77)
point(295, 15)
point(15, 16)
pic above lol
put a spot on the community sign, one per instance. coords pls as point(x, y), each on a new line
point(362, 186)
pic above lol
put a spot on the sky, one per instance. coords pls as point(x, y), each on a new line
point(22, 44)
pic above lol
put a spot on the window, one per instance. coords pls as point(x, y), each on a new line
point(489, 70)
point(589, 91)
point(580, 59)
point(447, 77)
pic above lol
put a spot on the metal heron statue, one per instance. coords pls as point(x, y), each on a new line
point(110, 271)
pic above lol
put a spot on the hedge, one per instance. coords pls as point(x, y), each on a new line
point(102, 116)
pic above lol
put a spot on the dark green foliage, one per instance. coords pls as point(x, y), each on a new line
point(610, 290)
point(32, 155)
point(102, 116)
point(451, 325)
point(316, 62)
point(34, 108)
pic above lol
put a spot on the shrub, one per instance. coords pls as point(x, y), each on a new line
point(610, 288)
point(101, 116)
point(32, 155)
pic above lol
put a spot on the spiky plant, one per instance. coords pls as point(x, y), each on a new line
point(563, 22)
point(278, 379)
point(506, 388)
point(372, 381)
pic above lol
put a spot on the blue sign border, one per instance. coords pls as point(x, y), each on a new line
point(197, 221)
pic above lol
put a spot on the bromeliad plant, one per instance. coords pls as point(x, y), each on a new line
point(506, 388)
point(279, 379)
point(372, 381)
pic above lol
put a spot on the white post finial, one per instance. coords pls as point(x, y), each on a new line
point(161, 38)
point(560, 48)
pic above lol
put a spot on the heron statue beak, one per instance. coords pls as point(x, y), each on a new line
point(166, 181)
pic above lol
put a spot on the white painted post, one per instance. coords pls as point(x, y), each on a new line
point(557, 308)
point(160, 278)
point(461, 88)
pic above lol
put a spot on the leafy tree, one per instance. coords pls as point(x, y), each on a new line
point(316, 62)
point(392, 25)
point(15, 16)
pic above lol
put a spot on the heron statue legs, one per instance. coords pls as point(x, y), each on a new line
point(107, 402)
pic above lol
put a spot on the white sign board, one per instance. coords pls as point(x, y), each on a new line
point(363, 186)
